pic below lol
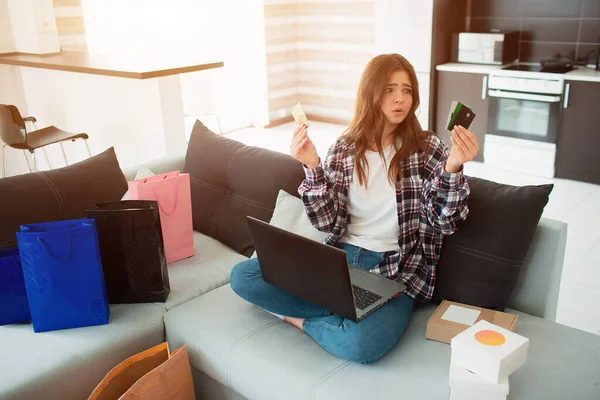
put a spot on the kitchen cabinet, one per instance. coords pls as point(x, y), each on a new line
point(471, 90)
point(579, 133)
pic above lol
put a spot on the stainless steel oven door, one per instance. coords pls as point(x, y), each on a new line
point(523, 115)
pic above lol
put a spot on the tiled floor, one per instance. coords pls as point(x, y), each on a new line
point(573, 202)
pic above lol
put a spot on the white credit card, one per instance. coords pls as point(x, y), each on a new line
point(299, 115)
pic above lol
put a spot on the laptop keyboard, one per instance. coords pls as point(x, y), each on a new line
point(364, 298)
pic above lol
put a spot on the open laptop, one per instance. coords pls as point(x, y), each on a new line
point(319, 273)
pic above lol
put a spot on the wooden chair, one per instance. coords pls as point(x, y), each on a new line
point(13, 133)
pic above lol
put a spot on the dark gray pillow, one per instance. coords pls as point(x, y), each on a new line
point(230, 180)
point(481, 262)
point(64, 193)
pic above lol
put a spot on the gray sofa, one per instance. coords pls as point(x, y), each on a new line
point(238, 351)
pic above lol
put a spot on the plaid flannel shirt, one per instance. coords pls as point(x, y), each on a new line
point(431, 204)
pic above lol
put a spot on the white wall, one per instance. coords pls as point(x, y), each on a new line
point(151, 26)
point(12, 92)
point(228, 30)
point(26, 26)
point(423, 111)
point(33, 26)
point(7, 42)
point(124, 113)
point(405, 27)
point(141, 119)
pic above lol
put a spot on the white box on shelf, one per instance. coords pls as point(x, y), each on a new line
point(491, 352)
point(465, 385)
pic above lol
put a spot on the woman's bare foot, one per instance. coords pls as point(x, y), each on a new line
point(297, 322)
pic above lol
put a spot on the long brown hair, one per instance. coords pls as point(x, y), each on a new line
point(368, 122)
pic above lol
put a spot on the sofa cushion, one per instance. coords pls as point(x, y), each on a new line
point(262, 357)
point(208, 269)
point(68, 364)
point(64, 193)
point(481, 262)
point(289, 214)
point(230, 180)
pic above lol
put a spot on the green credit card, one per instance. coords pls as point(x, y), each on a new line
point(459, 114)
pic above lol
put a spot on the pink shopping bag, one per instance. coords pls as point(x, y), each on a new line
point(173, 194)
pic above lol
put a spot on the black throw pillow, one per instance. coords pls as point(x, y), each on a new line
point(230, 180)
point(62, 193)
point(481, 262)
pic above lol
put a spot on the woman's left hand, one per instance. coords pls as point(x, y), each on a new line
point(464, 148)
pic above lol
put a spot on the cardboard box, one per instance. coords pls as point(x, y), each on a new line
point(465, 385)
point(452, 318)
point(491, 352)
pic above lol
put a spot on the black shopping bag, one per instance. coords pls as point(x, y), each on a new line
point(132, 251)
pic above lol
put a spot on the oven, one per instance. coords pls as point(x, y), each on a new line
point(524, 107)
point(523, 115)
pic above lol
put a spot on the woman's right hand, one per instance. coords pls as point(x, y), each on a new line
point(303, 149)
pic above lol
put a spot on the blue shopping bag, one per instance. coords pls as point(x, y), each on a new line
point(63, 274)
point(14, 307)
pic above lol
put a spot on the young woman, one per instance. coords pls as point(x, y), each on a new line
point(386, 194)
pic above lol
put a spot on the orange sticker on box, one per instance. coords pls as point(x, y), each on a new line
point(490, 338)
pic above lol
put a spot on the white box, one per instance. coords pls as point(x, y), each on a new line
point(489, 351)
point(461, 394)
point(465, 385)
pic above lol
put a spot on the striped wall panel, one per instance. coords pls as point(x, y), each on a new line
point(281, 57)
point(317, 77)
point(282, 80)
point(337, 8)
point(311, 99)
point(336, 33)
point(282, 8)
point(335, 55)
point(66, 3)
point(280, 34)
point(319, 48)
point(69, 24)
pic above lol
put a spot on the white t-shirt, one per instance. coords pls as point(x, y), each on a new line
point(373, 211)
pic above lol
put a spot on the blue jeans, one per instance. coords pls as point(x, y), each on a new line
point(363, 342)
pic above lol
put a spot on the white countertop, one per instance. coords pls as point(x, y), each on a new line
point(468, 68)
point(583, 74)
point(580, 74)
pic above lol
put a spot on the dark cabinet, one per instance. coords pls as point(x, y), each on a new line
point(578, 140)
point(469, 89)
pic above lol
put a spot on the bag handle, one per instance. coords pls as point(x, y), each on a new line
point(176, 199)
point(154, 178)
point(49, 251)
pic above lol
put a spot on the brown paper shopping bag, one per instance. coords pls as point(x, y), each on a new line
point(151, 375)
